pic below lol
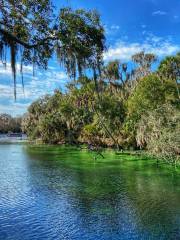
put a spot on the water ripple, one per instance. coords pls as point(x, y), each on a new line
point(55, 194)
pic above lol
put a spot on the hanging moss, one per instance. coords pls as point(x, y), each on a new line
point(13, 50)
point(77, 40)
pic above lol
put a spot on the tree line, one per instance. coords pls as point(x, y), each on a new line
point(106, 104)
point(10, 124)
point(128, 109)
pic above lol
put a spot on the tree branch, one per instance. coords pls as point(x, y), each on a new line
point(25, 44)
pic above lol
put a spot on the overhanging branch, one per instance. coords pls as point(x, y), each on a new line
point(25, 44)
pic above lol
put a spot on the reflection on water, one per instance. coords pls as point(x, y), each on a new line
point(62, 193)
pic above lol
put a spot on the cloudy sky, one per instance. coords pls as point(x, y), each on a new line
point(131, 26)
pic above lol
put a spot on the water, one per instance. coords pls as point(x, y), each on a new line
point(61, 193)
point(5, 138)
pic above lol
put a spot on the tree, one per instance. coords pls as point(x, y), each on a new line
point(170, 68)
point(150, 93)
point(147, 118)
point(9, 123)
point(33, 33)
point(25, 29)
point(143, 63)
point(30, 123)
point(117, 76)
point(159, 132)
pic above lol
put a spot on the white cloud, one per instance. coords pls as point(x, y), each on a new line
point(13, 108)
point(159, 12)
point(7, 70)
point(42, 78)
point(143, 26)
point(152, 44)
point(176, 17)
point(44, 82)
point(113, 29)
point(116, 27)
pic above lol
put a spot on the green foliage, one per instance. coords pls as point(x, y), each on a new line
point(144, 62)
point(159, 132)
point(112, 70)
point(145, 116)
point(33, 33)
point(9, 123)
point(118, 76)
point(151, 92)
point(71, 116)
point(91, 134)
point(115, 107)
point(111, 110)
point(82, 40)
point(170, 68)
point(52, 128)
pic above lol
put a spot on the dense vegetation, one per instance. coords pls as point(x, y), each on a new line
point(105, 104)
point(137, 109)
point(10, 124)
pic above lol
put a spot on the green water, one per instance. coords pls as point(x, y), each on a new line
point(50, 192)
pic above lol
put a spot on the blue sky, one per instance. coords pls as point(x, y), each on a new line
point(131, 26)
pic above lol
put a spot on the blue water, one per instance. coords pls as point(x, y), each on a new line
point(61, 193)
point(4, 138)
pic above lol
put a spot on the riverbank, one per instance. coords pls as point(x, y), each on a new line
point(106, 152)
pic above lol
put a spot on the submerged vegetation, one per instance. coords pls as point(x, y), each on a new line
point(105, 104)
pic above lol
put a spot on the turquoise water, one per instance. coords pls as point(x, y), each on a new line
point(62, 193)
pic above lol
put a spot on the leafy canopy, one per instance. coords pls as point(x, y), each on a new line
point(33, 34)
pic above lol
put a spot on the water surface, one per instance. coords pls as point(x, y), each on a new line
point(62, 193)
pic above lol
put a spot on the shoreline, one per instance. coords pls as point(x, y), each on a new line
point(81, 147)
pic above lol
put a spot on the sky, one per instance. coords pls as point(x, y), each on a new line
point(130, 25)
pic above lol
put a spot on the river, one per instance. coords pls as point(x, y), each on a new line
point(62, 193)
